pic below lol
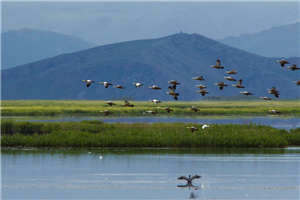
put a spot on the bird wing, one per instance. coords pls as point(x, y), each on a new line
point(195, 177)
point(183, 177)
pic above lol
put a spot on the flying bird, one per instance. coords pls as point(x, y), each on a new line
point(119, 86)
point(173, 82)
point(189, 179)
point(282, 62)
point(203, 92)
point(198, 78)
point(231, 72)
point(217, 65)
point(246, 93)
point(201, 86)
point(105, 84)
point(154, 87)
point(138, 84)
point(297, 82)
point(88, 82)
point(274, 92)
point(229, 78)
point(221, 85)
point(239, 85)
point(293, 67)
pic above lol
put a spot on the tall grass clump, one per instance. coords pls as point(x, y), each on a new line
point(99, 134)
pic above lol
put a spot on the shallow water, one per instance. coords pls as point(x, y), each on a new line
point(276, 122)
point(150, 174)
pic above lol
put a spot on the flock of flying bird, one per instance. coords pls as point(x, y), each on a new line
point(202, 88)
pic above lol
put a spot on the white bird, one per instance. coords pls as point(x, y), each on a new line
point(88, 82)
point(156, 101)
point(137, 84)
point(106, 84)
point(205, 126)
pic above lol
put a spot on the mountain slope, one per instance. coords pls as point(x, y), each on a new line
point(282, 41)
point(153, 61)
point(28, 45)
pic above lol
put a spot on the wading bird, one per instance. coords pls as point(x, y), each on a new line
point(205, 126)
point(193, 108)
point(127, 104)
point(156, 101)
point(151, 112)
point(217, 65)
point(168, 109)
point(192, 128)
point(88, 83)
point(110, 103)
point(275, 112)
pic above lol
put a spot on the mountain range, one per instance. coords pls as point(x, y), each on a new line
point(28, 45)
point(281, 41)
point(152, 61)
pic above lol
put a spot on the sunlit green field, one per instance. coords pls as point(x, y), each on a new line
point(95, 108)
point(99, 134)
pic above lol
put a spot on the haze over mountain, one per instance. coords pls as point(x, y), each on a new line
point(152, 61)
point(281, 41)
point(27, 45)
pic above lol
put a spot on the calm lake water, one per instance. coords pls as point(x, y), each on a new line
point(150, 174)
point(276, 122)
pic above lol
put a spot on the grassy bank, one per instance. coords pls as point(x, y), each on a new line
point(67, 108)
point(98, 134)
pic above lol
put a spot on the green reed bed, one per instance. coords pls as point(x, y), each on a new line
point(98, 134)
point(85, 107)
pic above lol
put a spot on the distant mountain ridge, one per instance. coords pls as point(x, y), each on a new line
point(152, 61)
point(28, 45)
point(281, 41)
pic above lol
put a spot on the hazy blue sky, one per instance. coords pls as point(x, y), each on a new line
point(103, 23)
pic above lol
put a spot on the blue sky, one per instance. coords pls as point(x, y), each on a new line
point(109, 22)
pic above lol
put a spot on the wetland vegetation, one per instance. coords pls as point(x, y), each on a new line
point(173, 135)
point(96, 108)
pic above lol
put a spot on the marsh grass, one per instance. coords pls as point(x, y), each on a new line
point(85, 107)
point(99, 134)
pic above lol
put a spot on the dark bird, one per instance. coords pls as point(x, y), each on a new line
point(127, 104)
point(173, 94)
point(189, 179)
point(105, 84)
point(239, 85)
point(231, 72)
point(297, 82)
point(293, 67)
point(221, 85)
point(229, 78)
point(201, 86)
point(266, 98)
point(168, 109)
point(203, 92)
point(198, 78)
point(246, 93)
point(173, 82)
point(88, 82)
point(119, 86)
point(137, 84)
point(172, 87)
point(282, 62)
point(274, 92)
point(275, 112)
point(218, 65)
point(154, 87)
point(106, 112)
point(193, 108)
point(110, 103)
point(192, 129)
